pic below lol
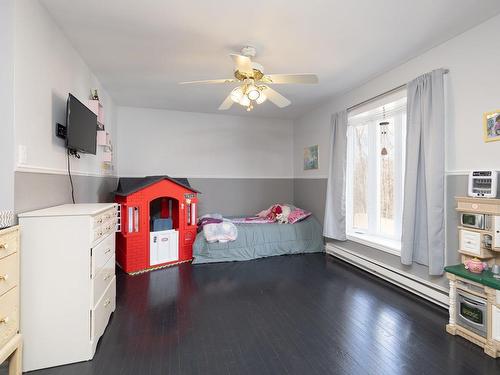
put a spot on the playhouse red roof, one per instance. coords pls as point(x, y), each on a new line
point(130, 185)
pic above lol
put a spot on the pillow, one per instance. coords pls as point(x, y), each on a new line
point(297, 215)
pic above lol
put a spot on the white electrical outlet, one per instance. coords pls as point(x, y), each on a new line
point(22, 157)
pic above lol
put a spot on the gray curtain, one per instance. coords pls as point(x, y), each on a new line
point(334, 225)
point(423, 237)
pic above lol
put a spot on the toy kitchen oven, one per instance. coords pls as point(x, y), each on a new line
point(471, 308)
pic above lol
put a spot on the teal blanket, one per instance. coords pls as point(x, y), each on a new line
point(262, 240)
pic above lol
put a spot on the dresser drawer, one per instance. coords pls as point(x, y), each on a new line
point(9, 272)
point(109, 226)
point(98, 220)
point(9, 315)
point(102, 280)
point(105, 306)
point(105, 216)
point(102, 252)
point(104, 229)
point(8, 243)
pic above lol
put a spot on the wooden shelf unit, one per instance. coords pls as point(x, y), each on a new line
point(103, 137)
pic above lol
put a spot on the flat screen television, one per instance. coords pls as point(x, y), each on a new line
point(81, 127)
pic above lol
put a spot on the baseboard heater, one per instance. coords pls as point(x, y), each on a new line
point(413, 284)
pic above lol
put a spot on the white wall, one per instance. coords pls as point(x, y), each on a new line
point(7, 104)
point(473, 87)
point(202, 145)
point(47, 68)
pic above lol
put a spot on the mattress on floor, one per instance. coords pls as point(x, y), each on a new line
point(262, 240)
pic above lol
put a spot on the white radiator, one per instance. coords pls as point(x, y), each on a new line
point(431, 292)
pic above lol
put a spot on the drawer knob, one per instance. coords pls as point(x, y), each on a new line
point(107, 277)
point(4, 320)
point(107, 303)
point(4, 277)
point(107, 250)
point(4, 246)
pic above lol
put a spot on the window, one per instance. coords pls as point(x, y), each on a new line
point(375, 172)
point(133, 219)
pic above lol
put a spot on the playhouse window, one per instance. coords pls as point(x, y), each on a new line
point(191, 214)
point(133, 219)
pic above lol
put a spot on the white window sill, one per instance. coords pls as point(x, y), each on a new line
point(385, 244)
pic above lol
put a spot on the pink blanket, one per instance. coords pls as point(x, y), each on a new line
point(278, 213)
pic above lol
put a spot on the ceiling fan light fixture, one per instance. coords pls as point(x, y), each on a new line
point(237, 94)
point(253, 92)
point(245, 101)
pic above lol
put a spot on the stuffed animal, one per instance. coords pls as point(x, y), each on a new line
point(282, 218)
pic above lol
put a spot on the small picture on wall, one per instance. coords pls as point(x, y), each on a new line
point(491, 121)
point(311, 157)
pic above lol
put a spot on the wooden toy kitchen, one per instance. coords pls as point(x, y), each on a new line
point(474, 294)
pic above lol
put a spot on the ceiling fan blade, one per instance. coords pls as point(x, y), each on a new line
point(290, 78)
point(242, 63)
point(226, 104)
point(276, 97)
point(226, 80)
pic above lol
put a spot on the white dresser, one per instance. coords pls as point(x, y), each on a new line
point(10, 339)
point(68, 279)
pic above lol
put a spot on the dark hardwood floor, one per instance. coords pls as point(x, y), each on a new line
point(305, 314)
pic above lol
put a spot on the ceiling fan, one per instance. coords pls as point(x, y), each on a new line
point(254, 84)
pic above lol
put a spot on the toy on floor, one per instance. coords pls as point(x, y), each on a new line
point(158, 222)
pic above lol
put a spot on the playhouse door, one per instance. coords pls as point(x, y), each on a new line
point(164, 247)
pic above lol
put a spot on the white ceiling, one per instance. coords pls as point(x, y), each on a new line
point(139, 50)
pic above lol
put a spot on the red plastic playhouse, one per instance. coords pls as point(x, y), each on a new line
point(158, 222)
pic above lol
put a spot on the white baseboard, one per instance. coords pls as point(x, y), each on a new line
point(411, 283)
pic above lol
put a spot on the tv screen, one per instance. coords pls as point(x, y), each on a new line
point(81, 123)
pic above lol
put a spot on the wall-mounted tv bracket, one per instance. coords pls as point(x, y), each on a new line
point(61, 131)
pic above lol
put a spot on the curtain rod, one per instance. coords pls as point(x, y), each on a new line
point(446, 71)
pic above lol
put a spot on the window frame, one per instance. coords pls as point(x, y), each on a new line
point(372, 236)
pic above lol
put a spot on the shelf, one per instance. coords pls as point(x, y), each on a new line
point(478, 205)
point(96, 107)
point(479, 200)
point(482, 231)
point(484, 253)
